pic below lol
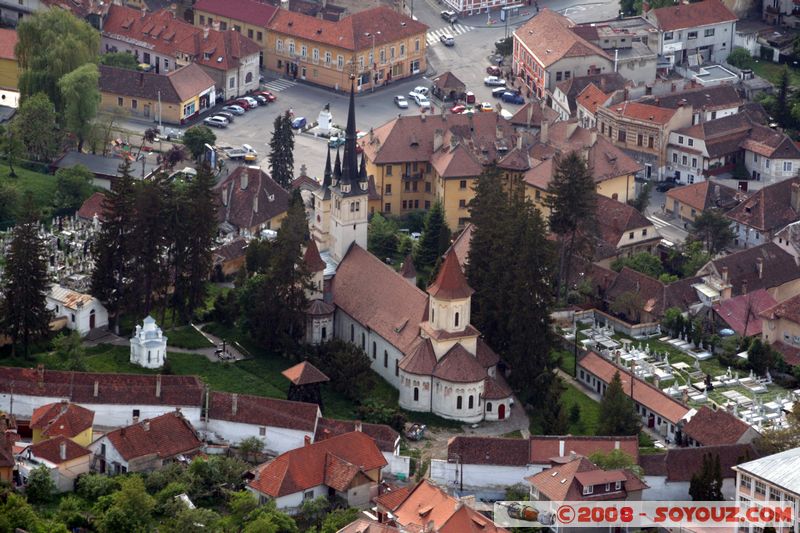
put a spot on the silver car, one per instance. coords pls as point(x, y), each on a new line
point(235, 109)
point(216, 122)
point(401, 102)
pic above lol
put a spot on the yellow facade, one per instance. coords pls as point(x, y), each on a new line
point(9, 74)
point(251, 31)
point(146, 108)
point(620, 188)
point(84, 438)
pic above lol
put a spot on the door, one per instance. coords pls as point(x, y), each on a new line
point(91, 319)
point(651, 421)
point(147, 110)
point(501, 412)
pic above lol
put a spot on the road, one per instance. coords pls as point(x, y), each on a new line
point(671, 229)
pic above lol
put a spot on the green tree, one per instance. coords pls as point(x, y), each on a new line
point(91, 487)
point(338, 518)
point(52, 43)
point(70, 350)
point(714, 230)
point(11, 148)
point(617, 414)
point(572, 201)
point(9, 205)
point(124, 60)
point(35, 125)
point(673, 321)
point(616, 460)
point(130, 509)
point(281, 155)
point(643, 262)
point(73, 186)
point(313, 512)
point(434, 242)
point(17, 514)
point(642, 200)
point(347, 366)
point(706, 485)
point(149, 274)
point(196, 138)
point(554, 416)
point(760, 356)
point(251, 447)
point(628, 305)
point(776, 440)
point(382, 238)
point(80, 92)
point(26, 283)
point(740, 58)
point(72, 512)
point(782, 103)
point(40, 487)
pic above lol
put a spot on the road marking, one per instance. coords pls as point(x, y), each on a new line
point(279, 85)
point(432, 37)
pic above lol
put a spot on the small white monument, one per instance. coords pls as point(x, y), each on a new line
point(325, 120)
point(148, 345)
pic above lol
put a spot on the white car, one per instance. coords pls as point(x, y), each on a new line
point(447, 40)
point(216, 122)
point(421, 100)
point(424, 91)
point(493, 81)
point(401, 102)
point(235, 109)
point(250, 100)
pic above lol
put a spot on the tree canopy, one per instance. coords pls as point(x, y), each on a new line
point(80, 92)
point(617, 414)
point(281, 155)
point(714, 230)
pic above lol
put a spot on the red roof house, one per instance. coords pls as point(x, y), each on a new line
point(62, 418)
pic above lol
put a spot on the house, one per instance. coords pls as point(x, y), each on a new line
point(490, 464)
point(756, 220)
point(427, 506)
point(688, 202)
point(116, 399)
point(174, 97)
point(64, 459)
point(531, 115)
point(106, 170)
point(622, 232)
point(145, 446)
point(587, 102)
point(363, 525)
point(83, 312)
point(248, 17)
point(742, 313)
point(386, 438)
point(781, 328)
point(788, 239)
point(250, 201)
point(9, 68)
point(546, 51)
point(766, 267)
point(709, 427)
point(693, 34)
point(645, 298)
point(657, 410)
point(381, 44)
point(707, 103)
point(669, 474)
point(229, 257)
point(348, 466)
point(167, 43)
point(773, 478)
point(93, 207)
point(280, 424)
point(446, 86)
point(148, 345)
point(7, 462)
point(470, 7)
point(306, 380)
point(64, 419)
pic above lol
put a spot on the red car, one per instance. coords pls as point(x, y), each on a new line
point(243, 104)
point(493, 70)
point(456, 109)
point(268, 95)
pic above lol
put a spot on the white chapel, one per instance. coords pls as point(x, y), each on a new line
point(148, 345)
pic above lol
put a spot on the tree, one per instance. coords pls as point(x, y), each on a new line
point(40, 487)
point(673, 321)
point(73, 186)
point(35, 125)
point(9, 205)
point(782, 109)
point(641, 201)
point(314, 511)
point(26, 282)
point(80, 93)
point(617, 414)
point(91, 487)
point(434, 241)
point(149, 136)
point(124, 60)
point(776, 440)
point(706, 485)
point(760, 356)
point(713, 230)
point(52, 43)
point(554, 417)
point(347, 366)
point(572, 201)
point(185, 520)
point(149, 272)
point(643, 262)
point(130, 509)
point(627, 7)
point(339, 518)
point(741, 58)
point(11, 148)
point(16, 513)
point(72, 513)
point(382, 237)
point(196, 138)
point(251, 447)
point(69, 349)
point(173, 156)
point(616, 460)
point(628, 305)
point(281, 155)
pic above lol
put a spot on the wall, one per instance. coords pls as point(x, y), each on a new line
point(722, 41)
point(342, 323)
point(142, 51)
point(451, 192)
point(170, 112)
point(398, 464)
point(359, 496)
point(111, 456)
point(408, 383)
point(623, 186)
point(781, 330)
point(79, 319)
point(770, 171)
point(9, 74)
point(276, 440)
point(84, 438)
point(576, 66)
point(291, 502)
point(251, 31)
point(481, 476)
point(445, 395)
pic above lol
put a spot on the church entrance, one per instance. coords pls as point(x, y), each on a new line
point(501, 412)
point(91, 319)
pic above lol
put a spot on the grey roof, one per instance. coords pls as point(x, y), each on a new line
point(103, 166)
point(782, 469)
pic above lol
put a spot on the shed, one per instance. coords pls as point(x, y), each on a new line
point(447, 87)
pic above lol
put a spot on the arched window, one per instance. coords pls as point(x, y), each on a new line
point(248, 77)
point(488, 407)
point(416, 394)
point(458, 316)
point(471, 402)
point(385, 359)
point(615, 196)
point(433, 314)
point(148, 356)
point(352, 333)
point(397, 367)
point(374, 350)
point(459, 402)
point(363, 341)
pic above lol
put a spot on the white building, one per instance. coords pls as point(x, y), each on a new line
point(64, 459)
point(772, 478)
point(148, 345)
point(83, 312)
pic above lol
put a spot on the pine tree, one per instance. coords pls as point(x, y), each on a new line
point(713, 230)
point(149, 270)
point(25, 283)
point(554, 417)
point(281, 155)
point(113, 246)
point(706, 485)
point(434, 242)
point(572, 201)
point(782, 104)
point(617, 414)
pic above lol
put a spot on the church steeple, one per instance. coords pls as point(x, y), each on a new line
point(337, 169)
point(450, 298)
point(327, 177)
point(362, 171)
point(352, 181)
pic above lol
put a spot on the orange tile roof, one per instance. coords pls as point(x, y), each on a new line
point(62, 418)
point(787, 310)
point(312, 258)
point(8, 41)
point(332, 460)
point(450, 283)
point(304, 373)
point(165, 436)
point(543, 447)
point(50, 450)
point(645, 394)
point(684, 16)
point(550, 38)
point(262, 411)
point(252, 12)
point(392, 499)
point(697, 195)
point(643, 112)
point(565, 481)
point(385, 437)
point(93, 206)
point(462, 244)
point(714, 428)
point(592, 97)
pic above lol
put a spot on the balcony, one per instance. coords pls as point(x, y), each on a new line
point(412, 177)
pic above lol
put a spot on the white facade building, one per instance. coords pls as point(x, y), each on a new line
point(148, 345)
point(82, 311)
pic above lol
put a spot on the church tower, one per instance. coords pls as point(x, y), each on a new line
point(349, 194)
point(322, 208)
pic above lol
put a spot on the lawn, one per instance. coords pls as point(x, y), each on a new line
point(589, 411)
point(187, 337)
point(41, 186)
point(772, 72)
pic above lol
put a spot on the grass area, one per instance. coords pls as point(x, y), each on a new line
point(589, 418)
point(565, 360)
point(772, 72)
point(516, 434)
point(187, 337)
point(41, 186)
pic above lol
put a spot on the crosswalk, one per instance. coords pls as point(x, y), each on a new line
point(657, 222)
point(279, 85)
point(432, 37)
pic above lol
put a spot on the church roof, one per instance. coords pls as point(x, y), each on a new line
point(350, 180)
point(496, 388)
point(421, 360)
point(450, 284)
point(408, 270)
point(312, 258)
point(319, 308)
point(485, 355)
point(459, 366)
point(304, 374)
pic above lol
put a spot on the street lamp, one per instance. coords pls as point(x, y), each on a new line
point(372, 67)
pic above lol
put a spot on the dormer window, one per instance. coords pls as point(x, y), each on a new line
point(589, 489)
point(345, 187)
point(363, 185)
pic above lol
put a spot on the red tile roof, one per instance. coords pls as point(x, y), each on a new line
point(305, 373)
point(62, 418)
point(8, 41)
point(791, 354)
point(175, 87)
point(565, 481)
point(680, 464)
point(786, 310)
point(550, 38)
point(683, 16)
point(617, 220)
point(459, 366)
point(450, 283)
point(544, 447)
point(490, 451)
point(249, 197)
point(591, 98)
point(385, 437)
point(768, 209)
point(50, 450)
point(312, 258)
point(744, 311)
point(249, 11)
point(93, 206)
point(703, 195)
point(262, 411)
point(164, 436)
point(331, 460)
point(714, 428)
point(420, 359)
point(392, 499)
point(462, 244)
point(643, 112)
point(778, 267)
point(643, 393)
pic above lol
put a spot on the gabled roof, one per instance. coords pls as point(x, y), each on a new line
point(362, 525)
point(781, 469)
point(304, 374)
point(591, 98)
point(744, 311)
point(93, 206)
point(50, 450)
point(704, 195)
point(715, 428)
point(335, 460)
point(550, 38)
point(69, 298)
point(62, 418)
point(408, 271)
point(650, 291)
point(393, 498)
point(252, 12)
point(708, 98)
point(459, 366)
point(490, 451)
point(642, 112)
point(462, 244)
point(768, 209)
point(174, 87)
point(544, 447)
point(249, 197)
point(617, 220)
point(385, 437)
point(680, 464)
point(786, 310)
point(790, 353)
point(312, 258)
point(565, 481)
point(420, 360)
point(450, 283)
point(262, 411)
point(448, 80)
point(777, 267)
point(164, 436)
point(532, 114)
point(684, 16)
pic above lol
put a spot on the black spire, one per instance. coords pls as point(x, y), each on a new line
point(337, 169)
point(349, 179)
point(326, 180)
point(362, 171)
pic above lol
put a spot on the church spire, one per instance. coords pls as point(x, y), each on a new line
point(450, 284)
point(362, 171)
point(326, 180)
point(351, 180)
point(337, 169)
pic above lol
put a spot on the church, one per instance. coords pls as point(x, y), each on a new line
point(420, 342)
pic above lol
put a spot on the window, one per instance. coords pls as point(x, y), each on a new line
point(674, 157)
point(427, 186)
point(471, 402)
point(644, 232)
point(680, 139)
point(416, 394)
point(315, 54)
point(766, 163)
point(488, 407)
point(292, 48)
point(650, 141)
point(618, 485)
point(387, 207)
point(374, 350)
point(238, 28)
point(747, 482)
point(328, 58)
point(383, 55)
point(352, 333)
point(202, 20)
point(308, 495)
point(73, 317)
point(458, 316)
point(690, 142)
point(588, 490)
point(166, 64)
point(396, 367)
point(249, 34)
point(694, 162)
point(755, 158)
point(691, 35)
point(134, 104)
point(389, 173)
point(462, 204)
point(761, 488)
point(340, 62)
point(630, 235)
point(407, 186)
point(391, 52)
point(262, 431)
point(279, 45)
point(462, 184)
point(787, 166)
point(427, 204)
point(639, 140)
point(259, 36)
point(709, 32)
point(416, 45)
point(231, 82)
point(684, 160)
point(135, 415)
point(120, 102)
point(558, 76)
point(385, 359)
point(459, 402)
point(146, 58)
point(223, 26)
point(363, 341)
point(402, 50)
point(668, 36)
point(608, 487)
point(566, 75)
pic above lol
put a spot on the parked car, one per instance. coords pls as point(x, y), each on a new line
point(244, 104)
point(170, 134)
point(493, 70)
point(449, 16)
point(458, 108)
point(498, 92)
point(401, 102)
point(486, 107)
point(227, 114)
point(250, 100)
point(447, 40)
point(268, 95)
point(299, 122)
point(513, 97)
point(666, 185)
point(493, 81)
point(216, 122)
point(235, 109)
point(469, 97)
point(335, 141)
point(424, 91)
point(421, 100)
point(260, 99)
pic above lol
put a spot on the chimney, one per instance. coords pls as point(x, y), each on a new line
point(205, 32)
point(796, 196)
point(62, 450)
point(438, 139)
point(143, 11)
point(173, 8)
point(724, 273)
point(760, 267)
point(544, 133)
point(146, 425)
point(572, 456)
point(744, 286)
point(358, 426)
point(158, 386)
point(40, 374)
point(255, 204)
point(307, 440)
point(244, 179)
point(96, 388)
point(422, 117)
point(234, 403)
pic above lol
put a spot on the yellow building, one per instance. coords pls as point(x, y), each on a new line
point(9, 68)
point(62, 419)
point(248, 17)
point(176, 96)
